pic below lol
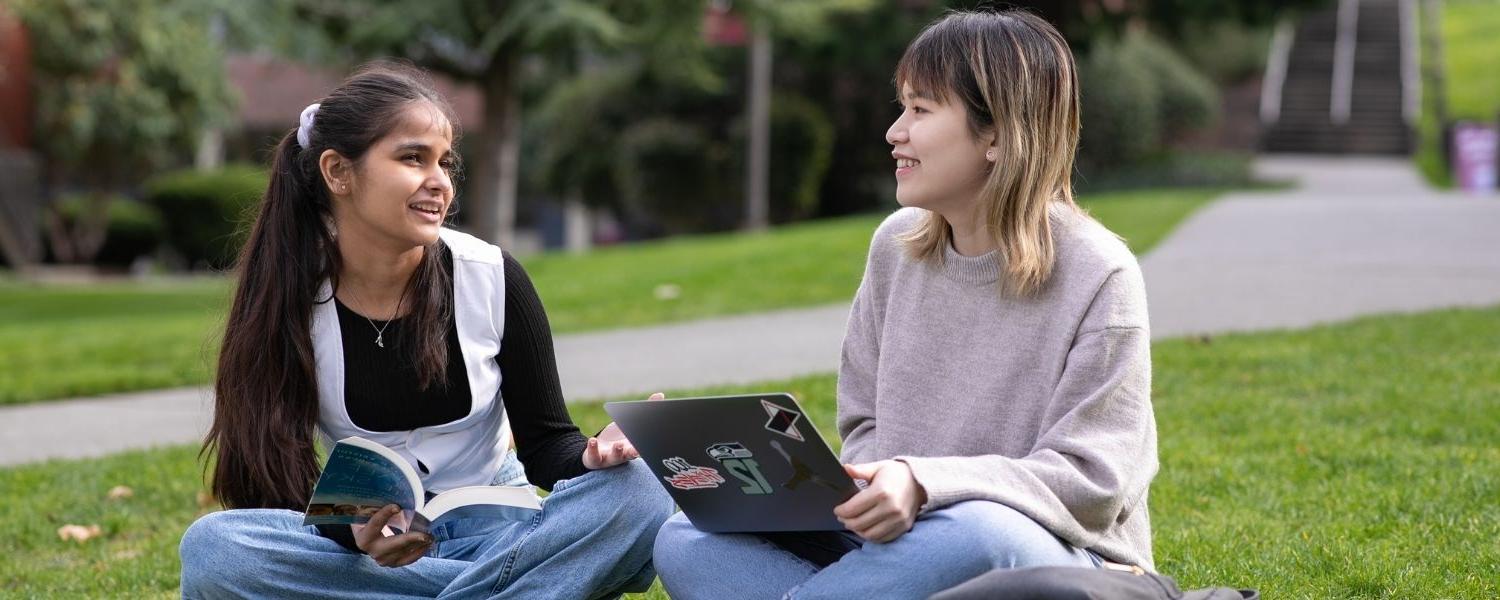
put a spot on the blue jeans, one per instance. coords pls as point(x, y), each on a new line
point(946, 547)
point(592, 539)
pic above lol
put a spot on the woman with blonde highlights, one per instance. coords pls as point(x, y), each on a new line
point(995, 389)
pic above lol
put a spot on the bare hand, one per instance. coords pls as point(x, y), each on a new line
point(611, 447)
point(375, 539)
point(888, 507)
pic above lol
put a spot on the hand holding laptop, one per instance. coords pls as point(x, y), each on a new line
point(888, 506)
point(746, 463)
point(611, 447)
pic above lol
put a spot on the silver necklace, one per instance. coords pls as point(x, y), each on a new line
point(380, 331)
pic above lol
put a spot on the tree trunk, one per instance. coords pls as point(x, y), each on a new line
point(758, 167)
point(79, 241)
point(578, 225)
point(492, 197)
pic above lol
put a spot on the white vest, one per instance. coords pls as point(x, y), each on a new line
point(467, 451)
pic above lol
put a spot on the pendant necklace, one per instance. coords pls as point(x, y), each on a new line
point(380, 331)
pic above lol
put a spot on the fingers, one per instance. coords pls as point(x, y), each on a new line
point(401, 550)
point(603, 455)
point(886, 531)
point(591, 457)
point(657, 396)
point(390, 550)
point(865, 471)
point(881, 524)
point(869, 518)
point(415, 551)
point(858, 504)
point(372, 530)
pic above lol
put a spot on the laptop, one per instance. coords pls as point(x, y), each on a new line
point(750, 463)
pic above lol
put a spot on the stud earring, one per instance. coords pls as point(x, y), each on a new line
point(989, 155)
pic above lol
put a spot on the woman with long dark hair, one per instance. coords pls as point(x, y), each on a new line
point(358, 313)
point(995, 387)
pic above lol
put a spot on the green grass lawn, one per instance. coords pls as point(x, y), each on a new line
point(1351, 461)
point(68, 341)
point(1471, 44)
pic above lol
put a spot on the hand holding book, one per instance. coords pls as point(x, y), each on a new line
point(375, 539)
point(377, 491)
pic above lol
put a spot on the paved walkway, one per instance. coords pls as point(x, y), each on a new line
point(1360, 236)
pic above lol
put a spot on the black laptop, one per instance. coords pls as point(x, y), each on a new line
point(739, 463)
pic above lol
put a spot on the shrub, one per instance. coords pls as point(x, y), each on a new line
point(1120, 108)
point(1138, 94)
point(802, 139)
point(134, 229)
point(666, 170)
point(1188, 100)
point(204, 211)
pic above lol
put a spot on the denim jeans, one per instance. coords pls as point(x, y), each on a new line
point(945, 547)
point(592, 539)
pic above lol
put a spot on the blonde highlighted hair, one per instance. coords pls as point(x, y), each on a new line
point(1015, 76)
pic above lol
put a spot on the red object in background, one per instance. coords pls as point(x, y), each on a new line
point(722, 27)
point(15, 83)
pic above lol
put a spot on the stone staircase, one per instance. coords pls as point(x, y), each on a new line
point(1375, 123)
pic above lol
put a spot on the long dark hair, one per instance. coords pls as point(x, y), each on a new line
point(266, 391)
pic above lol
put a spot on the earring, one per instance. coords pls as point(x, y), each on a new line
point(989, 155)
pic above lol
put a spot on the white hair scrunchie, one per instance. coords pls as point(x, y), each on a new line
point(304, 129)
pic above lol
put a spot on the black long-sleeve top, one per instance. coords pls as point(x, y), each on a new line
point(382, 391)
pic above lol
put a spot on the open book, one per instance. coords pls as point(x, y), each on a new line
point(362, 476)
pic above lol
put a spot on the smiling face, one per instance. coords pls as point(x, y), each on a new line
point(400, 191)
point(940, 166)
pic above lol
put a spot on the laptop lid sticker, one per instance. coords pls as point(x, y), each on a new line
point(782, 420)
point(741, 463)
point(687, 476)
point(800, 471)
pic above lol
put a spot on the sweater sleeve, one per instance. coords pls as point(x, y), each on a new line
point(547, 442)
point(1094, 461)
point(856, 383)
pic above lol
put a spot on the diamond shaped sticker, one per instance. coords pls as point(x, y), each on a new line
point(783, 420)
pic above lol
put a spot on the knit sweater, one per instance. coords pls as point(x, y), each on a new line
point(1042, 404)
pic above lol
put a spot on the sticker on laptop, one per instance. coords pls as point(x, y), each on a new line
point(741, 463)
point(723, 450)
point(687, 476)
point(800, 471)
point(783, 420)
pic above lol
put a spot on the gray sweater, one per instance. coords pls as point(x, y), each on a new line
point(1041, 404)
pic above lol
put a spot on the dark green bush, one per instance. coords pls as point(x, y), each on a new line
point(134, 229)
point(667, 170)
point(1187, 99)
point(1121, 115)
point(206, 213)
point(1137, 95)
point(802, 139)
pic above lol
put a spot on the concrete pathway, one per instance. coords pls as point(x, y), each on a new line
point(1358, 237)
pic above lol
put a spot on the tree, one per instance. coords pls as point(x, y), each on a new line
point(484, 42)
point(123, 87)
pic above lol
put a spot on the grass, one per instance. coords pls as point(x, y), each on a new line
point(1470, 45)
point(1350, 461)
point(70, 341)
point(66, 341)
